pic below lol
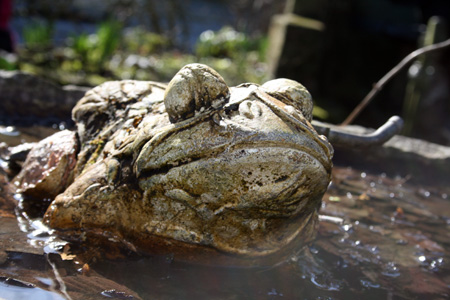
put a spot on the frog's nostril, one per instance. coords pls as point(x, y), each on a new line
point(250, 109)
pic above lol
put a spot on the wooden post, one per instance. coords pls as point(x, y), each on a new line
point(422, 75)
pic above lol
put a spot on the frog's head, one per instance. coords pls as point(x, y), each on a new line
point(240, 170)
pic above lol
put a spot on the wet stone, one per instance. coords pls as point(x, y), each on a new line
point(49, 167)
point(3, 257)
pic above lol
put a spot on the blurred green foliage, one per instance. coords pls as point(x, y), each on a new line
point(238, 57)
point(142, 42)
point(108, 38)
point(114, 53)
point(7, 64)
point(227, 42)
point(93, 50)
point(38, 35)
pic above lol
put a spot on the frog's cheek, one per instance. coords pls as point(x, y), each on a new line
point(275, 180)
point(91, 201)
point(240, 196)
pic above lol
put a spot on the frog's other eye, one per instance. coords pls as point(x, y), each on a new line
point(295, 113)
point(292, 94)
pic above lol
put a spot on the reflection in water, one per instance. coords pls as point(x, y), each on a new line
point(378, 238)
point(22, 293)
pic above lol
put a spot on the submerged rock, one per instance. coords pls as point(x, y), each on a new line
point(239, 173)
point(7, 201)
point(49, 166)
point(25, 96)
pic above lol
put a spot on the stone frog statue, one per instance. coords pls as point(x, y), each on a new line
point(194, 168)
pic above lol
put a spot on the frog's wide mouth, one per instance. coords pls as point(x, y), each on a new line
point(179, 150)
point(271, 181)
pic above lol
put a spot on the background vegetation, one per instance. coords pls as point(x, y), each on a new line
point(113, 52)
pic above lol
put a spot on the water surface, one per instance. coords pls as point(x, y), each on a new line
point(380, 237)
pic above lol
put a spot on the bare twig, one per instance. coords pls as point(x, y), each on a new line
point(382, 82)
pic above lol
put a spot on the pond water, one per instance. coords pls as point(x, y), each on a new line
point(380, 237)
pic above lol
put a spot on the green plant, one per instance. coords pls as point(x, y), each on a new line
point(223, 43)
point(6, 63)
point(81, 46)
point(38, 35)
point(108, 38)
point(93, 50)
point(236, 54)
point(143, 42)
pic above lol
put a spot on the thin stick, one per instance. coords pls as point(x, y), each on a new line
point(382, 82)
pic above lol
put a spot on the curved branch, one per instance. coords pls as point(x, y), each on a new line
point(382, 82)
point(341, 138)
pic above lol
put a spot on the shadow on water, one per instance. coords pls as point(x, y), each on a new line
point(380, 237)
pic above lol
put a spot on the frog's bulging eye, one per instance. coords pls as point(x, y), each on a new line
point(194, 88)
point(291, 93)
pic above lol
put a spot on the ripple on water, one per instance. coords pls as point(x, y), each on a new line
point(347, 227)
point(369, 284)
point(274, 292)
point(390, 270)
point(326, 282)
point(429, 262)
point(436, 263)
